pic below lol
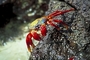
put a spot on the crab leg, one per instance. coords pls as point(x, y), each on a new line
point(61, 22)
point(35, 35)
point(29, 42)
point(56, 13)
point(52, 24)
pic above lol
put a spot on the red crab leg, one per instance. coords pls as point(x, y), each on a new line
point(52, 24)
point(36, 36)
point(71, 58)
point(61, 22)
point(60, 12)
point(29, 42)
point(43, 29)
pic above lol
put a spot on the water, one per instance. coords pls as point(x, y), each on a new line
point(15, 50)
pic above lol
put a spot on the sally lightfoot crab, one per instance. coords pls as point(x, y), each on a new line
point(43, 22)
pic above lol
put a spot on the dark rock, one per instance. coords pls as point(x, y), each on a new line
point(60, 45)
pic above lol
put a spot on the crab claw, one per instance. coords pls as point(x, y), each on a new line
point(29, 42)
point(43, 29)
point(35, 35)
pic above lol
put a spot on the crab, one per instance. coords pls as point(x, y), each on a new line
point(43, 22)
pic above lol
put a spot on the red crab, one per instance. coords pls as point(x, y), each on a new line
point(46, 20)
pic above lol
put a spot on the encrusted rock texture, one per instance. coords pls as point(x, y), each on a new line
point(73, 43)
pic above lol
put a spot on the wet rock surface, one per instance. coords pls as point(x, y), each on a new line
point(66, 44)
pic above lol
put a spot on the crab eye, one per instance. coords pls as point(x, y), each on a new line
point(43, 20)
